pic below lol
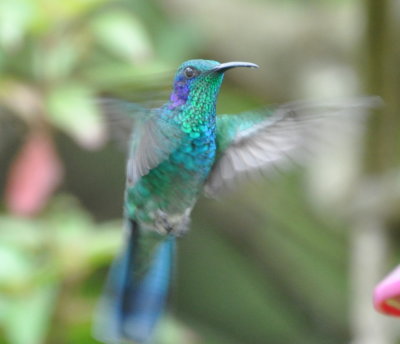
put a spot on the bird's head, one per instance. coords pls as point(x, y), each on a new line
point(200, 80)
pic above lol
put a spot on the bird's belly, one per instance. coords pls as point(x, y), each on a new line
point(164, 198)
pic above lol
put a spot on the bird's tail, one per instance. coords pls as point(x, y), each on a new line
point(136, 289)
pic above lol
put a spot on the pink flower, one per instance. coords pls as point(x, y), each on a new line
point(33, 176)
point(387, 294)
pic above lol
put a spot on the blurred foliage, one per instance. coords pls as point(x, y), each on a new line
point(55, 58)
point(263, 266)
point(39, 258)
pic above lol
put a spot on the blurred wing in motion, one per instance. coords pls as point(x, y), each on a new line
point(148, 137)
point(153, 140)
point(120, 117)
point(272, 140)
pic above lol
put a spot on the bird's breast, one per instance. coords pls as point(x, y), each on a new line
point(195, 155)
point(173, 186)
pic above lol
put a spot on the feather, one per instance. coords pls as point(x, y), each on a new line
point(150, 138)
point(153, 140)
point(271, 140)
point(136, 289)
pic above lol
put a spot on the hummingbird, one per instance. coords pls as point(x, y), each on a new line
point(178, 152)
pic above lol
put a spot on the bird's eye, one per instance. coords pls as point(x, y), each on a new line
point(190, 72)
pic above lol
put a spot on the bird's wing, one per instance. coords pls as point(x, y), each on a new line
point(149, 138)
point(270, 140)
point(120, 117)
point(153, 140)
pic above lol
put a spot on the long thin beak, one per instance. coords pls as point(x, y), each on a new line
point(223, 67)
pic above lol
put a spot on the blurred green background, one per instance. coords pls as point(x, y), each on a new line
point(288, 259)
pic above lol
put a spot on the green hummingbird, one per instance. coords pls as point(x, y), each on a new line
point(179, 151)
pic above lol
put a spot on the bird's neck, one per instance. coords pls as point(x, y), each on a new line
point(194, 111)
point(198, 116)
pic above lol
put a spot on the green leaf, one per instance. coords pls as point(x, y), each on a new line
point(56, 61)
point(171, 331)
point(104, 245)
point(15, 268)
point(73, 230)
point(73, 8)
point(15, 16)
point(72, 108)
point(19, 232)
point(124, 35)
point(29, 315)
point(51, 15)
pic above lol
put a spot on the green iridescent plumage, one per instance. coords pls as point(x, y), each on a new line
point(179, 151)
point(174, 150)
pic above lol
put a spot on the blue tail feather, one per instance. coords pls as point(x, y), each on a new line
point(136, 290)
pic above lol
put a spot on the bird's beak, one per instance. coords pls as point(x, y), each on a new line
point(223, 67)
